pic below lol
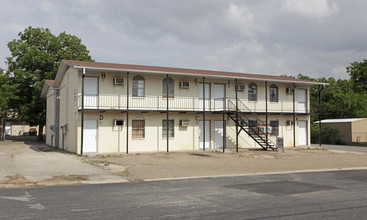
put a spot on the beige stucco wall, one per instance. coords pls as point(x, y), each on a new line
point(69, 115)
point(113, 139)
point(153, 89)
point(359, 131)
point(344, 129)
point(50, 117)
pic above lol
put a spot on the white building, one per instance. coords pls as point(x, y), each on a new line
point(132, 108)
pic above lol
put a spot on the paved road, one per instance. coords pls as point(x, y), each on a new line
point(315, 195)
point(343, 147)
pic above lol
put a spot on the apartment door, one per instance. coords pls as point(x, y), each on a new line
point(219, 94)
point(302, 131)
point(218, 134)
point(205, 99)
point(302, 100)
point(207, 135)
point(90, 136)
point(90, 92)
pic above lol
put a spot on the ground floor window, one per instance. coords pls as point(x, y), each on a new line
point(171, 126)
point(274, 125)
point(138, 127)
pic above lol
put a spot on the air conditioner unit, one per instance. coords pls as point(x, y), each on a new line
point(184, 84)
point(289, 122)
point(241, 88)
point(118, 81)
point(185, 123)
point(289, 90)
point(118, 122)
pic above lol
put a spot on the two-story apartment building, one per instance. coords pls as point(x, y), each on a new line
point(105, 108)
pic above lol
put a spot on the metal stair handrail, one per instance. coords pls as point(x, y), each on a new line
point(269, 143)
point(253, 114)
point(254, 134)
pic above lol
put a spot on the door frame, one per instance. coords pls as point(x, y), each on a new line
point(84, 142)
point(306, 132)
point(208, 106)
point(298, 101)
point(221, 138)
point(208, 128)
point(97, 97)
point(224, 96)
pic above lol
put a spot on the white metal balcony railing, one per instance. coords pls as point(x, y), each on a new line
point(119, 102)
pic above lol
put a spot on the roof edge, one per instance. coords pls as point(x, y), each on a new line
point(179, 71)
point(46, 86)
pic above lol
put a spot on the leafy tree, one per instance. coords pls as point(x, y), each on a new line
point(358, 74)
point(7, 91)
point(35, 56)
point(340, 99)
point(328, 135)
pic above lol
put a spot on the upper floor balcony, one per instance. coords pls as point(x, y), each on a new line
point(194, 104)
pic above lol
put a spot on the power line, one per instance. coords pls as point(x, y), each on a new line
point(322, 61)
point(338, 87)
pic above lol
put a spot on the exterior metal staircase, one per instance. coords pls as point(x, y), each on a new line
point(253, 130)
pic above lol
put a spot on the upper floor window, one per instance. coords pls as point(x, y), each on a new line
point(252, 92)
point(138, 86)
point(170, 88)
point(274, 93)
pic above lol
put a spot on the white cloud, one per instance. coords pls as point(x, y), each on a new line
point(262, 36)
point(47, 7)
point(317, 9)
point(240, 14)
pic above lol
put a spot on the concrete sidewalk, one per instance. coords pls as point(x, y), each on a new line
point(30, 163)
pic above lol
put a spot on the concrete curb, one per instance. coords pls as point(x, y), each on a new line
point(255, 174)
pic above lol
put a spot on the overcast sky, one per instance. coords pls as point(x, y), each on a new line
point(312, 37)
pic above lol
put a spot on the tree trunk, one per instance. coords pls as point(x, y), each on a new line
point(40, 131)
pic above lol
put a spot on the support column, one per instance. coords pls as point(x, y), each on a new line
point(294, 115)
point(266, 113)
point(224, 119)
point(167, 122)
point(127, 112)
point(82, 119)
point(236, 89)
point(320, 111)
point(204, 99)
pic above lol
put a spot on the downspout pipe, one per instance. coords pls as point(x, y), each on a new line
point(57, 113)
point(320, 111)
point(82, 119)
point(57, 118)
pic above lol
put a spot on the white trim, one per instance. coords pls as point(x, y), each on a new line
point(343, 120)
point(196, 75)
